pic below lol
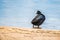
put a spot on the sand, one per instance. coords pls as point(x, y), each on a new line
point(13, 33)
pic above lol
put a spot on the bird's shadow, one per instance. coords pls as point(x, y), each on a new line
point(37, 28)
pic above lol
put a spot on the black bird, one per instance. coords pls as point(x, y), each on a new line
point(38, 20)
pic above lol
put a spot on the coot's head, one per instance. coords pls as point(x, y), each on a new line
point(38, 12)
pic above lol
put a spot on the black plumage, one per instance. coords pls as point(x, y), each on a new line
point(38, 20)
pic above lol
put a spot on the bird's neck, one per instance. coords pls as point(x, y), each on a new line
point(39, 14)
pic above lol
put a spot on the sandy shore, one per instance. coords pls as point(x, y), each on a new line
point(13, 33)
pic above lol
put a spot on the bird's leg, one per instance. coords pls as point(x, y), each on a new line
point(38, 26)
point(33, 26)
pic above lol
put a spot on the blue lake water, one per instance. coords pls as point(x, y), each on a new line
point(21, 12)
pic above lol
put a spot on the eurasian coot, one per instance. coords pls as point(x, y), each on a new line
point(38, 20)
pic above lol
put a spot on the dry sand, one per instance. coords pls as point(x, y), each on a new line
point(10, 33)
